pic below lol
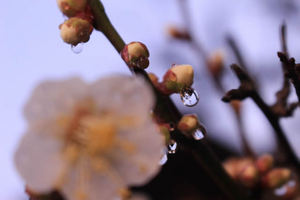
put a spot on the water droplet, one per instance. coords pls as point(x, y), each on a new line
point(172, 147)
point(198, 134)
point(77, 48)
point(163, 159)
point(189, 97)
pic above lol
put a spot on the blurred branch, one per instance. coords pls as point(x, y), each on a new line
point(248, 89)
point(199, 149)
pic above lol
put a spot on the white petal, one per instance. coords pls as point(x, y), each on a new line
point(53, 97)
point(123, 95)
point(39, 160)
point(139, 167)
point(96, 185)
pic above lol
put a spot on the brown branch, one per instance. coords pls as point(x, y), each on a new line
point(247, 89)
point(199, 149)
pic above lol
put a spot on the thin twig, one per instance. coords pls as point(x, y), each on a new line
point(200, 149)
point(247, 89)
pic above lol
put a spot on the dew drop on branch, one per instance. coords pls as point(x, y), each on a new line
point(172, 147)
point(198, 134)
point(77, 48)
point(189, 97)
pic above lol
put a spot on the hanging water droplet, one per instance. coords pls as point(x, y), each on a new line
point(172, 147)
point(198, 134)
point(163, 159)
point(77, 48)
point(189, 97)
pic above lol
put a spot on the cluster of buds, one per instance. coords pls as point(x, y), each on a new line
point(78, 28)
point(259, 172)
point(136, 55)
point(175, 80)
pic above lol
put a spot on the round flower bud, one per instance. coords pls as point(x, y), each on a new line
point(71, 7)
point(264, 163)
point(178, 78)
point(276, 177)
point(215, 64)
point(188, 123)
point(136, 54)
point(249, 175)
point(75, 30)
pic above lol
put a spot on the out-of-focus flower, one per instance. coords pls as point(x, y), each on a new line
point(76, 30)
point(71, 7)
point(276, 177)
point(178, 77)
point(264, 163)
point(215, 64)
point(136, 54)
point(178, 33)
point(89, 141)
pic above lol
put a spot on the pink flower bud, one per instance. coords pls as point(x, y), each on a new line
point(136, 54)
point(71, 7)
point(75, 30)
point(249, 175)
point(264, 163)
point(178, 77)
point(276, 177)
point(188, 123)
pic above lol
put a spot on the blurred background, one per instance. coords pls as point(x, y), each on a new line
point(32, 50)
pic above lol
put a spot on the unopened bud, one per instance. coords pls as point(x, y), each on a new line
point(176, 33)
point(188, 123)
point(178, 78)
point(249, 175)
point(75, 30)
point(235, 166)
point(216, 64)
point(71, 7)
point(276, 178)
point(136, 54)
point(264, 163)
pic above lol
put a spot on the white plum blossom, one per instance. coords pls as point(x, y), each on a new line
point(89, 141)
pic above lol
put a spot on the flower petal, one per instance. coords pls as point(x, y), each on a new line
point(51, 98)
point(124, 95)
point(83, 182)
point(141, 165)
point(39, 160)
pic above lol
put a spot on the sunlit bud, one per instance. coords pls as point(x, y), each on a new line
point(276, 177)
point(236, 105)
point(75, 30)
point(215, 64)
point(177, 33)
point(178, 78)
point(249, 175)
point(230, 167)
point(235, 166)
point(188, 123)
point(71, 7)
point(264, 163)
point(136, 54)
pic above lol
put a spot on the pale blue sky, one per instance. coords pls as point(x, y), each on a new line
point(31, 51)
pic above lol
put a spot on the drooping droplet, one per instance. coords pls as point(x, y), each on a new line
point(198, 134)
point(77, 48)
point(172, 147)
point(163, 159)
point(189, 97)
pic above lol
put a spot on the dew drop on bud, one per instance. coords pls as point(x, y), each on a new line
point(77, 48)
point(198, 134)
point(189, 97)
point(172, 147)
